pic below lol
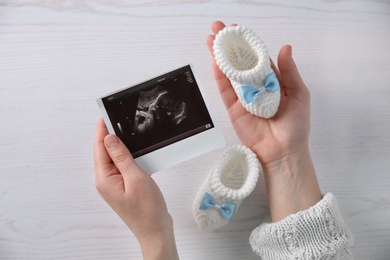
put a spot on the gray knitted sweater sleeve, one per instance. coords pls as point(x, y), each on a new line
point(316, 233)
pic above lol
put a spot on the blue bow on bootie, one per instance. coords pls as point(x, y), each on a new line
point(226, 210)
point(250, 93)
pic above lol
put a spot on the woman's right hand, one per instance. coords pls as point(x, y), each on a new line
point(282, 142)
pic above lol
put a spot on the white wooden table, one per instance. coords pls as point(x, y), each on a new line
point(56, 57)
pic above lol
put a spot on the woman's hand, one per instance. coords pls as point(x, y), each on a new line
point(133, 195)
point(282, 142)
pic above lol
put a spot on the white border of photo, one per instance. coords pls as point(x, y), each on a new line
point(179, 151)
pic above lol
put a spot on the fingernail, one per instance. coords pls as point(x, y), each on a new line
point(111, 141)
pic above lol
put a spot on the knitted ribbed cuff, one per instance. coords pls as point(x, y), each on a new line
point(316, 233)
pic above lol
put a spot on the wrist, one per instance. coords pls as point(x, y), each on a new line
point(160, 245)
point(292, 184)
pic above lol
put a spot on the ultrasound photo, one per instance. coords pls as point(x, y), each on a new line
point(158, 112)
point(157, 108)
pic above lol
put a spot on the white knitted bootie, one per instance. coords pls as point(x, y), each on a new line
point(243, 58)
point(232, 180)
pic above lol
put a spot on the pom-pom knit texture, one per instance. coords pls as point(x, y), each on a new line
point(243, 58)
point(316, 233)
point(233, 178)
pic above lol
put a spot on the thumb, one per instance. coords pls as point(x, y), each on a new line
point(121, 156)
point(292, 81)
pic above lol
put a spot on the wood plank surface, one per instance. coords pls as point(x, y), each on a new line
point(56, 57)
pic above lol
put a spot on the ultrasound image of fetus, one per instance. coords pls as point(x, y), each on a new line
point(157, 108)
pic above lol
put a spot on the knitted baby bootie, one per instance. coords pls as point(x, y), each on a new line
point(243, 58)
point(232, 180)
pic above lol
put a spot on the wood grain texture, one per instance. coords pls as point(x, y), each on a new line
point(56, 57)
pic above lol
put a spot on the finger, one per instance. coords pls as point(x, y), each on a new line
point(276, 71)
point(279, 77)
point(209, 42)
point(101, 157)
point(291, 78)
point(121, 157)
point(217, 26)
point(225, 88)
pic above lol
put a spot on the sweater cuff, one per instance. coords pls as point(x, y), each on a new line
point(315, 233)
